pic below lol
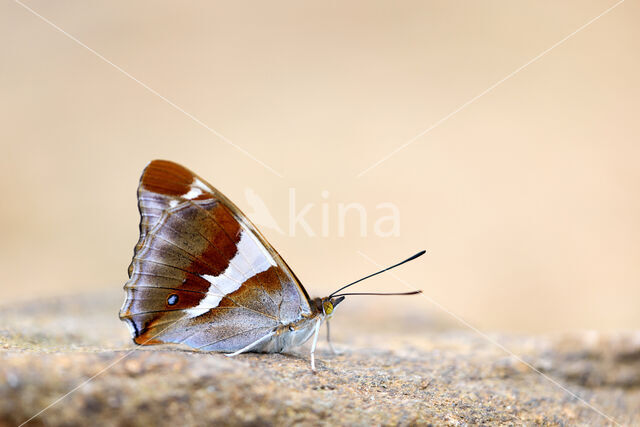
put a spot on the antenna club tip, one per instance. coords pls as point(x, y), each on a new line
point(419, 254)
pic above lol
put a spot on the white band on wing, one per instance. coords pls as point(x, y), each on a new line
point(251, 254)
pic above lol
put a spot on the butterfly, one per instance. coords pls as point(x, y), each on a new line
point(202, 275)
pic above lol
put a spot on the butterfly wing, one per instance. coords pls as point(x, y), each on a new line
point(201, 273)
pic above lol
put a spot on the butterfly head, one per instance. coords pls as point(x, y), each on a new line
point(329, 304)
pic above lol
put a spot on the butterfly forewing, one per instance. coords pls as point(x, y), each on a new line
point(201, 273)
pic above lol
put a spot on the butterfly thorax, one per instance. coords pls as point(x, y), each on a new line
point(316, 305)
point(291, 335)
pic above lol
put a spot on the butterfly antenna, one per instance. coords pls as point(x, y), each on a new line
point(411, 258)
point(379, 293)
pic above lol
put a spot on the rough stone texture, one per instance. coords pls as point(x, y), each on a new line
point(398, 374)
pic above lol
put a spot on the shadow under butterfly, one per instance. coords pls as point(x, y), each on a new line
point(203, 275)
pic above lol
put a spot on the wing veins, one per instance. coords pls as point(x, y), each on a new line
point(238, 269)
point(244, 228)
point(231, 336)
point(208, 212)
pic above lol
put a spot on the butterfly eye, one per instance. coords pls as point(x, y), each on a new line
point(173, 299)
point(328, 307)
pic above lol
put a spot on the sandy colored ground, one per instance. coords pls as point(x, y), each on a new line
point(391, 372)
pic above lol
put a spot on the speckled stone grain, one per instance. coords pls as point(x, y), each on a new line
point(401, 375)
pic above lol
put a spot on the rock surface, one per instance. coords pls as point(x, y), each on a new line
point(409, 371)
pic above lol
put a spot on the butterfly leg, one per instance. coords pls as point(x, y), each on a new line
point(252, 345)
point(313, 345)
point(333, 350)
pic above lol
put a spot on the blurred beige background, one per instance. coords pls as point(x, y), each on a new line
point(527, 200)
